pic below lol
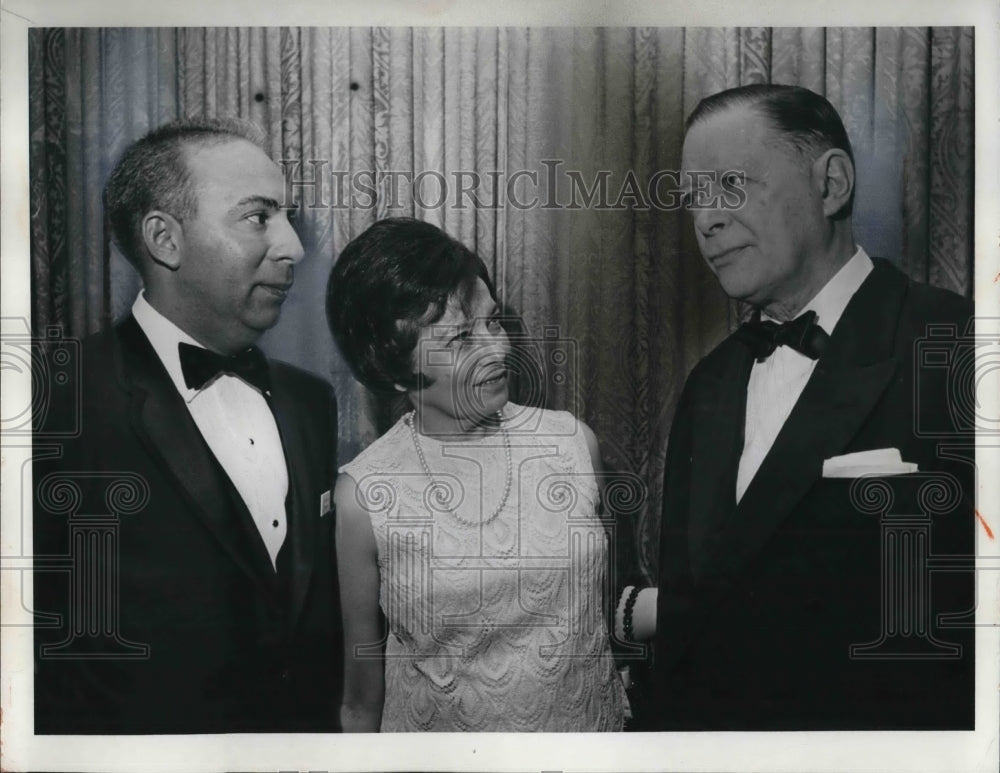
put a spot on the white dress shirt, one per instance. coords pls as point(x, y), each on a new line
point(776, 384)
point(237, 424)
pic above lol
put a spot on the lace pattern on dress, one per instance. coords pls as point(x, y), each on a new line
point(496, 627)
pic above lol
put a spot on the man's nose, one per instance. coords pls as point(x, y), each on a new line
point(709, 219)
point(286, 244)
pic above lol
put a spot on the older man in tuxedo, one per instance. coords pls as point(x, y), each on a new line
point(775, 607)
point(215, 605)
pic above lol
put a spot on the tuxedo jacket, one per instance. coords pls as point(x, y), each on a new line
point(158, 609)
point(787, 611)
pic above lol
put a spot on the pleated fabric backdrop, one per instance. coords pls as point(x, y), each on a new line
point(617, 285)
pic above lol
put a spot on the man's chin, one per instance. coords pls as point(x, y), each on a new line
point(262, 320)
point(737, 284)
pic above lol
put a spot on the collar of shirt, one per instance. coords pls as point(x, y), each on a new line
point(830, 302)
point(164, 335)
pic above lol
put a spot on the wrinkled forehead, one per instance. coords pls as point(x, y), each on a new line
point(231, 169)
point(736, 119)
point(738, 137)
point(224, 156)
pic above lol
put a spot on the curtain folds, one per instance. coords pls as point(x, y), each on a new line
point(536, 147)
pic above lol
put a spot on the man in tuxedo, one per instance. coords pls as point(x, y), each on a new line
point(781, 601)
point(185, 578)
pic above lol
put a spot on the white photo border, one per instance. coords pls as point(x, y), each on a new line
point(895, 751)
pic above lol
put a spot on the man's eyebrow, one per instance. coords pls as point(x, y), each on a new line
point(261, 201)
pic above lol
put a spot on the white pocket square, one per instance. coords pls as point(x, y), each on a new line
point(881, 461)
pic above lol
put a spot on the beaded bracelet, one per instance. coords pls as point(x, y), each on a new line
point(627, 614)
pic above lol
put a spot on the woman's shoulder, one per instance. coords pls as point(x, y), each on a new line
point(557, 429)
point(384, 454)
point(541, 422)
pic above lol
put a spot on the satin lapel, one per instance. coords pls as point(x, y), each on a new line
point(834, 405)
point(161, 419)
point(716, 447)
point(304, 515)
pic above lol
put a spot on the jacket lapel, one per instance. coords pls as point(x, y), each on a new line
point(719, 417)
point(834, 405)
point(303, 502)
point(160, 418)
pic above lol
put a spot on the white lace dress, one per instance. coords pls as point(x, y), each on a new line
point(495, 627)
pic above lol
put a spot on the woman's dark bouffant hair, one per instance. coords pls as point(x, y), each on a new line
point(387, 284)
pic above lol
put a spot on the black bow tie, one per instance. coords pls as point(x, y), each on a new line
point(201, 365)
point(802, 334)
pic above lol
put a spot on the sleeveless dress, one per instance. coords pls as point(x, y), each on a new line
point(496, 626)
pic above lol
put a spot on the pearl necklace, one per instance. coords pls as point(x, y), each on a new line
point(427, 470)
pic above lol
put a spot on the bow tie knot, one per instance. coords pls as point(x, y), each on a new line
point(202, 365)
point(802, 334)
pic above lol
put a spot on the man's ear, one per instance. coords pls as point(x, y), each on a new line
point(836, 176)
point(164, 238)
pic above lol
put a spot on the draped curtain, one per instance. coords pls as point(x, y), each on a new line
point(556, 133)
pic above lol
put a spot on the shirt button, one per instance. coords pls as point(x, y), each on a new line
point(274, 524)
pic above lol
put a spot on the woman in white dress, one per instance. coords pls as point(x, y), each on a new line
point(471, 525)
